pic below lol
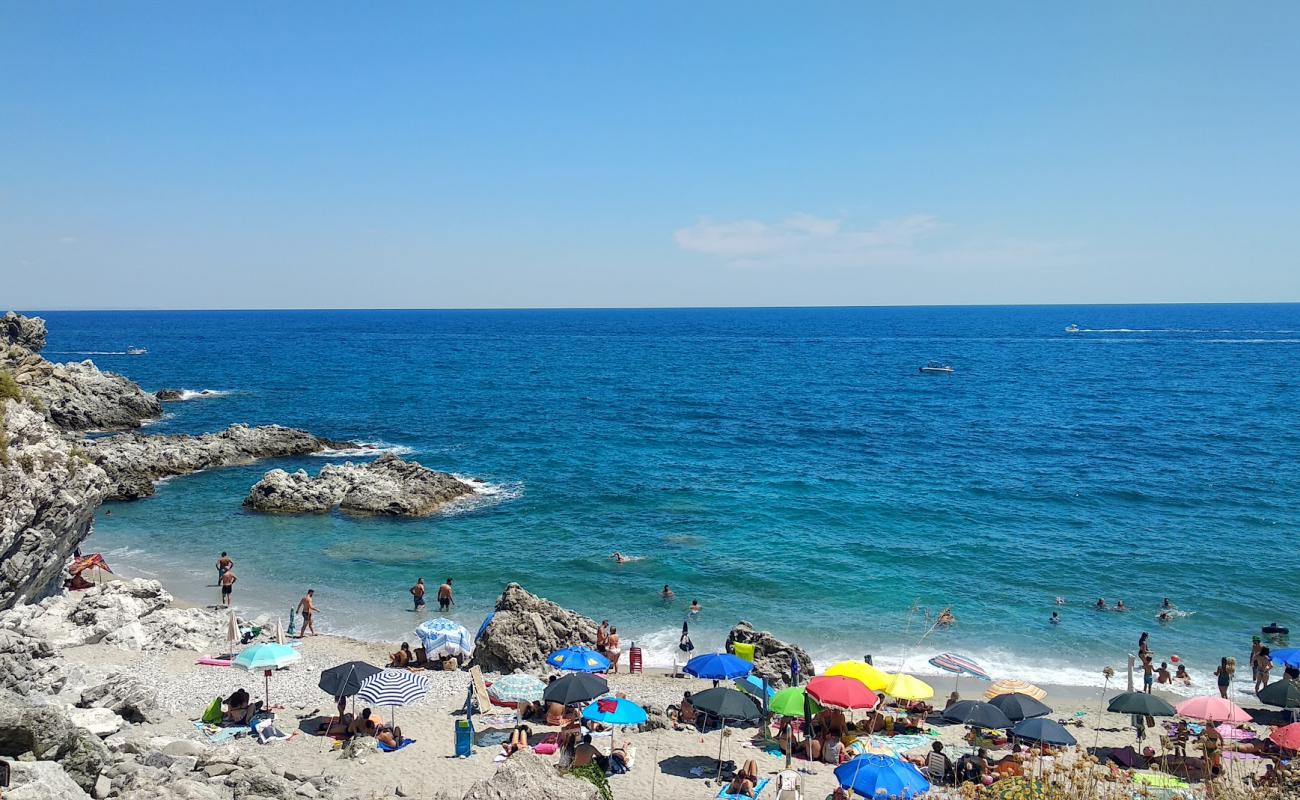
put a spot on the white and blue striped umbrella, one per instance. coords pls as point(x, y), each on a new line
point(516, 688)
point(443, 638)
point(393, 687)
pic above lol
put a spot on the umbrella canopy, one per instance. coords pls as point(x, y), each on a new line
point(1014, 687)
point(232, 630)
point(265, 656)
point(279, 631)
point(874, 679)
point(905, 687)
point(1212, 709)
point(875, 776)
point(1287, 736)
point(1044, 731)
point(1020, 706)
point(393, 687)
point(1147, 705)
point(575, 689)
point(1287, 656)
point(615, 711)
point(977, 713)
point(717, 666)
point(789, 702)
point(726, 704)
point(1283, 694)
point(345, 679)
point(517, 688)
point(443, 638)
point(837, 691)
point(959, 665)
point(578, 659)
point(754, 686)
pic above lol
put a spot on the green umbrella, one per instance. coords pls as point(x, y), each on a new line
point(1140, 703)
point(789, 702)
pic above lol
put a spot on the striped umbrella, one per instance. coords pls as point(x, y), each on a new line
point(443, 638)
point(517, 688)
point(1014, 687)
point(393, 687)
point(959, 665)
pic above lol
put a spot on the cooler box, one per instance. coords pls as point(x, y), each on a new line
point(464, 738)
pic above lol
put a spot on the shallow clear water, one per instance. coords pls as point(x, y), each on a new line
point(786, 466)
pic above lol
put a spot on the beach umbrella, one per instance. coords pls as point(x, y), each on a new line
point(726, 705)
point(1019, 706)
point(232, 632)
point(578, 659)
point(1043, 731)
point(1212, 709)
point(868, 675)
point(279, 631)
point(1287, 737)
point(959, 665)
point(266, 657)
point(517, 688)
point(443, 638)
point(1283, 694)
point(615, 711)
point(881, 776)
point(1287, 656)
point(905, 687)
point(789, 702)
point(837, 691)
point(756, 687)
point(1141, 704)
point(1014, 687)
point(717, 666)
point(392, 688)
point(576, 688)
point(345, 679)
point(977, 713)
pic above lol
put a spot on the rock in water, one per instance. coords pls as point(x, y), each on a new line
point(48, 494)
point(772, 656)
point(525, 775)
point(526, 628)
point(168, 395)
point(388, 485)
point(134, 461)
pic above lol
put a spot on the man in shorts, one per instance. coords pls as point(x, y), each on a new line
point(307, 607)
point(224, 565)
point(417, 591)
point(227, 581)
point(445, 596)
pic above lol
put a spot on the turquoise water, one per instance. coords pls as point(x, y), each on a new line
point(790, 467)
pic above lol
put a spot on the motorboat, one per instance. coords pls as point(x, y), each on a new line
point(1071, 328)
point(136, 351)
point(935, 368)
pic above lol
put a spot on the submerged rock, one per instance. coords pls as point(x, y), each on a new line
point(772, 656)
point(388, 485)
point(526, 628)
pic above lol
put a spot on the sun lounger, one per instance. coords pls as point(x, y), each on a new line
point(758, 790)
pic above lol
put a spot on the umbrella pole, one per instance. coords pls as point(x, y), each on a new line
point(721, 737)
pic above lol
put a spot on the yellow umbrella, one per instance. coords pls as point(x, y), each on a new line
point(1013, 687)
point(905, 687)
point(870, 677)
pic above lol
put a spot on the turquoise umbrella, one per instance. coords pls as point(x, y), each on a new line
point(615, 711)
point(266, 657)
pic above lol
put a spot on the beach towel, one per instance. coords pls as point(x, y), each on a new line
point(212, 714)
point(213, 662)
point(743, 651)
point(385, 748)
point(758, 790)
point(217, 735)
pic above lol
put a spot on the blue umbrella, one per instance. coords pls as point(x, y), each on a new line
point(717, 667)
point(266, 657)
point(873, 776)
point(615, 711)
point(1290, 656)
point(578, 659)
point(754, 685)
point(1043, 731)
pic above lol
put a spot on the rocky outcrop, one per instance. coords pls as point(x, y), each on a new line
point(25, 332)
point(43, 780)
point(48, 735)
point(388, 485)
point(526, 628)
point(134, 462)
point(169, 395)
point(48, 494)
point(29, 666)
point(526, 775)
point(772, 656)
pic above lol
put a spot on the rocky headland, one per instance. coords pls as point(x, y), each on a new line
point(387, 486)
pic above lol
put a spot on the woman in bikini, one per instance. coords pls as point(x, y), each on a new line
point(612, 649)
point(745, 781)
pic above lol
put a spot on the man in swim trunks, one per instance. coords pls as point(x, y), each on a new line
point(417, 591)
point(445, 597)
point(307, 607)
point(227, 581)
point(1148, 674)
point(224, 565)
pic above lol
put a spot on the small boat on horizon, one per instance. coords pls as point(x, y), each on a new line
point(935, 368)
point(136, 351)
point(1071, 328)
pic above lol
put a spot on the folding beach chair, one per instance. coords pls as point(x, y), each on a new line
point(789, 785)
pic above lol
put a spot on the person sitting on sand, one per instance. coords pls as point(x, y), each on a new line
point(586, 753)
point(402, 658)
point(236, 704)
point(743, 784)
point(952, 698)
point(686, 711)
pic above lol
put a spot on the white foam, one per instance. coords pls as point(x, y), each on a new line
point(484, 495)
point(364, 449)
point(166, 416)
point(88, 352)
point(192, 394)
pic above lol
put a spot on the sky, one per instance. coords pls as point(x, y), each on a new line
point(569, 154)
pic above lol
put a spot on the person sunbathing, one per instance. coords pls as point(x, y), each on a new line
point(236, 706)
point(518, 740)
point(389, 737)
point(743, 784)
point(402, 658)
point(364, 724)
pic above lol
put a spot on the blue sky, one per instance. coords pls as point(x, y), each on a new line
point(199, 155)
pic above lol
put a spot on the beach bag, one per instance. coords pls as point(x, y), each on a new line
point(212, 714)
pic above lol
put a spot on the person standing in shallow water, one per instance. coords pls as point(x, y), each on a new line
point(227, 581)
point(445, 597)
point(307, 607)
point(417, 592)
point(224, 565)
point(612, 649)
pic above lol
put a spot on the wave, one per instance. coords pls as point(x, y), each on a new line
point(192, 394)
point(364, 449)
point(87, 352)
point(166, 416)
point(485, 495)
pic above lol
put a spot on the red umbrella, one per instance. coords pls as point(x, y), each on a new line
point(1287, 737)
point(837, 691)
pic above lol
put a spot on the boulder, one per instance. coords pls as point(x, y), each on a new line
point(99, 721)
point(526, 628)
point(170, 629)
point(42, 780)
point(25, 332)
point(126, 696)
point(29, 666)
point(772, 656)
point(526, 775)
point(88, 616)
point(169, 395)
point(387, 486)
point(48, 734)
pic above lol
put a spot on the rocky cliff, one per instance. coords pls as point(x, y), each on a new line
point(387, 485)
point(772, 657)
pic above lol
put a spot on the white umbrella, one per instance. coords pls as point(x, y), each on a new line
point(279, 631)
point(232, 633)
point(393, 688)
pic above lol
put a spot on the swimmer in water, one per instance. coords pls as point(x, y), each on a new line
point(1060, 601)
point(619, 558)
point(1056, 618)
point(1119, 606)
point(945, 617)
point(1166, 605)
point(667, 593)
point(1164, 616)
point(1101, 604)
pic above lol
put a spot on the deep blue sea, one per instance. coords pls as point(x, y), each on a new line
point(790, 467)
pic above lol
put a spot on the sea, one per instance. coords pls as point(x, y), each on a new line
point(791, 467)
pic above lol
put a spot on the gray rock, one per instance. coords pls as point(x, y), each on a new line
point(125, 695)
point(526, 775)
point(99, 721)
point(103, 787)
point(29, 665)
point(25, 332)
point(46, 732)
point(183, 765)
point(185, 747)
point(772, 656)
point(42, 780)
point(526, 628)
point(388, 486)
point(87, 617)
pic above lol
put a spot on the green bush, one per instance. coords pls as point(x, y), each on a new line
point(594, 774)
point(9, 387)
